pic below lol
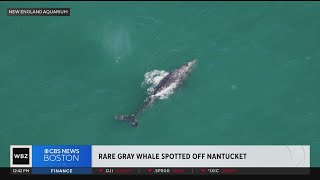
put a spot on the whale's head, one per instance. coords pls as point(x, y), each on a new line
point(187, 67)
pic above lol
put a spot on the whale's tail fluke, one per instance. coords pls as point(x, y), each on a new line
point(130, 118)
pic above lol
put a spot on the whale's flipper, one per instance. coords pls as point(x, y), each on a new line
point(130, 118)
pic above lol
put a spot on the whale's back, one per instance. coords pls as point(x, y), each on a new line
point(164, 83)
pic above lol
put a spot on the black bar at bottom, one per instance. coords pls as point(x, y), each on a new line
point(182, 171)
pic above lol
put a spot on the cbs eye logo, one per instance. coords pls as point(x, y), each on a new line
point(21, 156)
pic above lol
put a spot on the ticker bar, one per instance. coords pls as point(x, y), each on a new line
point(200, 171)
point(163, 171)
point(185, 171)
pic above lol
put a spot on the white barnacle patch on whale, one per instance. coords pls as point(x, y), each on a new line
point(152, 79)
point(165, 93)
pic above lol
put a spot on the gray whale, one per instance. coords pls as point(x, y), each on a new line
point(177, 76)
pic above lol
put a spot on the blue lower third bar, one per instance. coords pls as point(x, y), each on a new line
point(64, 170)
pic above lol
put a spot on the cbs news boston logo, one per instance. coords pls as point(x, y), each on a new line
point(20, 156)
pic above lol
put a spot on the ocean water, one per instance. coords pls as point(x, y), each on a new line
point(62, 79)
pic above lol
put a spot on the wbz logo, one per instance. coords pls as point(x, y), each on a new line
point(20, 156)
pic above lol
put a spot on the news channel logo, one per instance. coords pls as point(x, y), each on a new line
point(61, 156)
point(20, 156)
